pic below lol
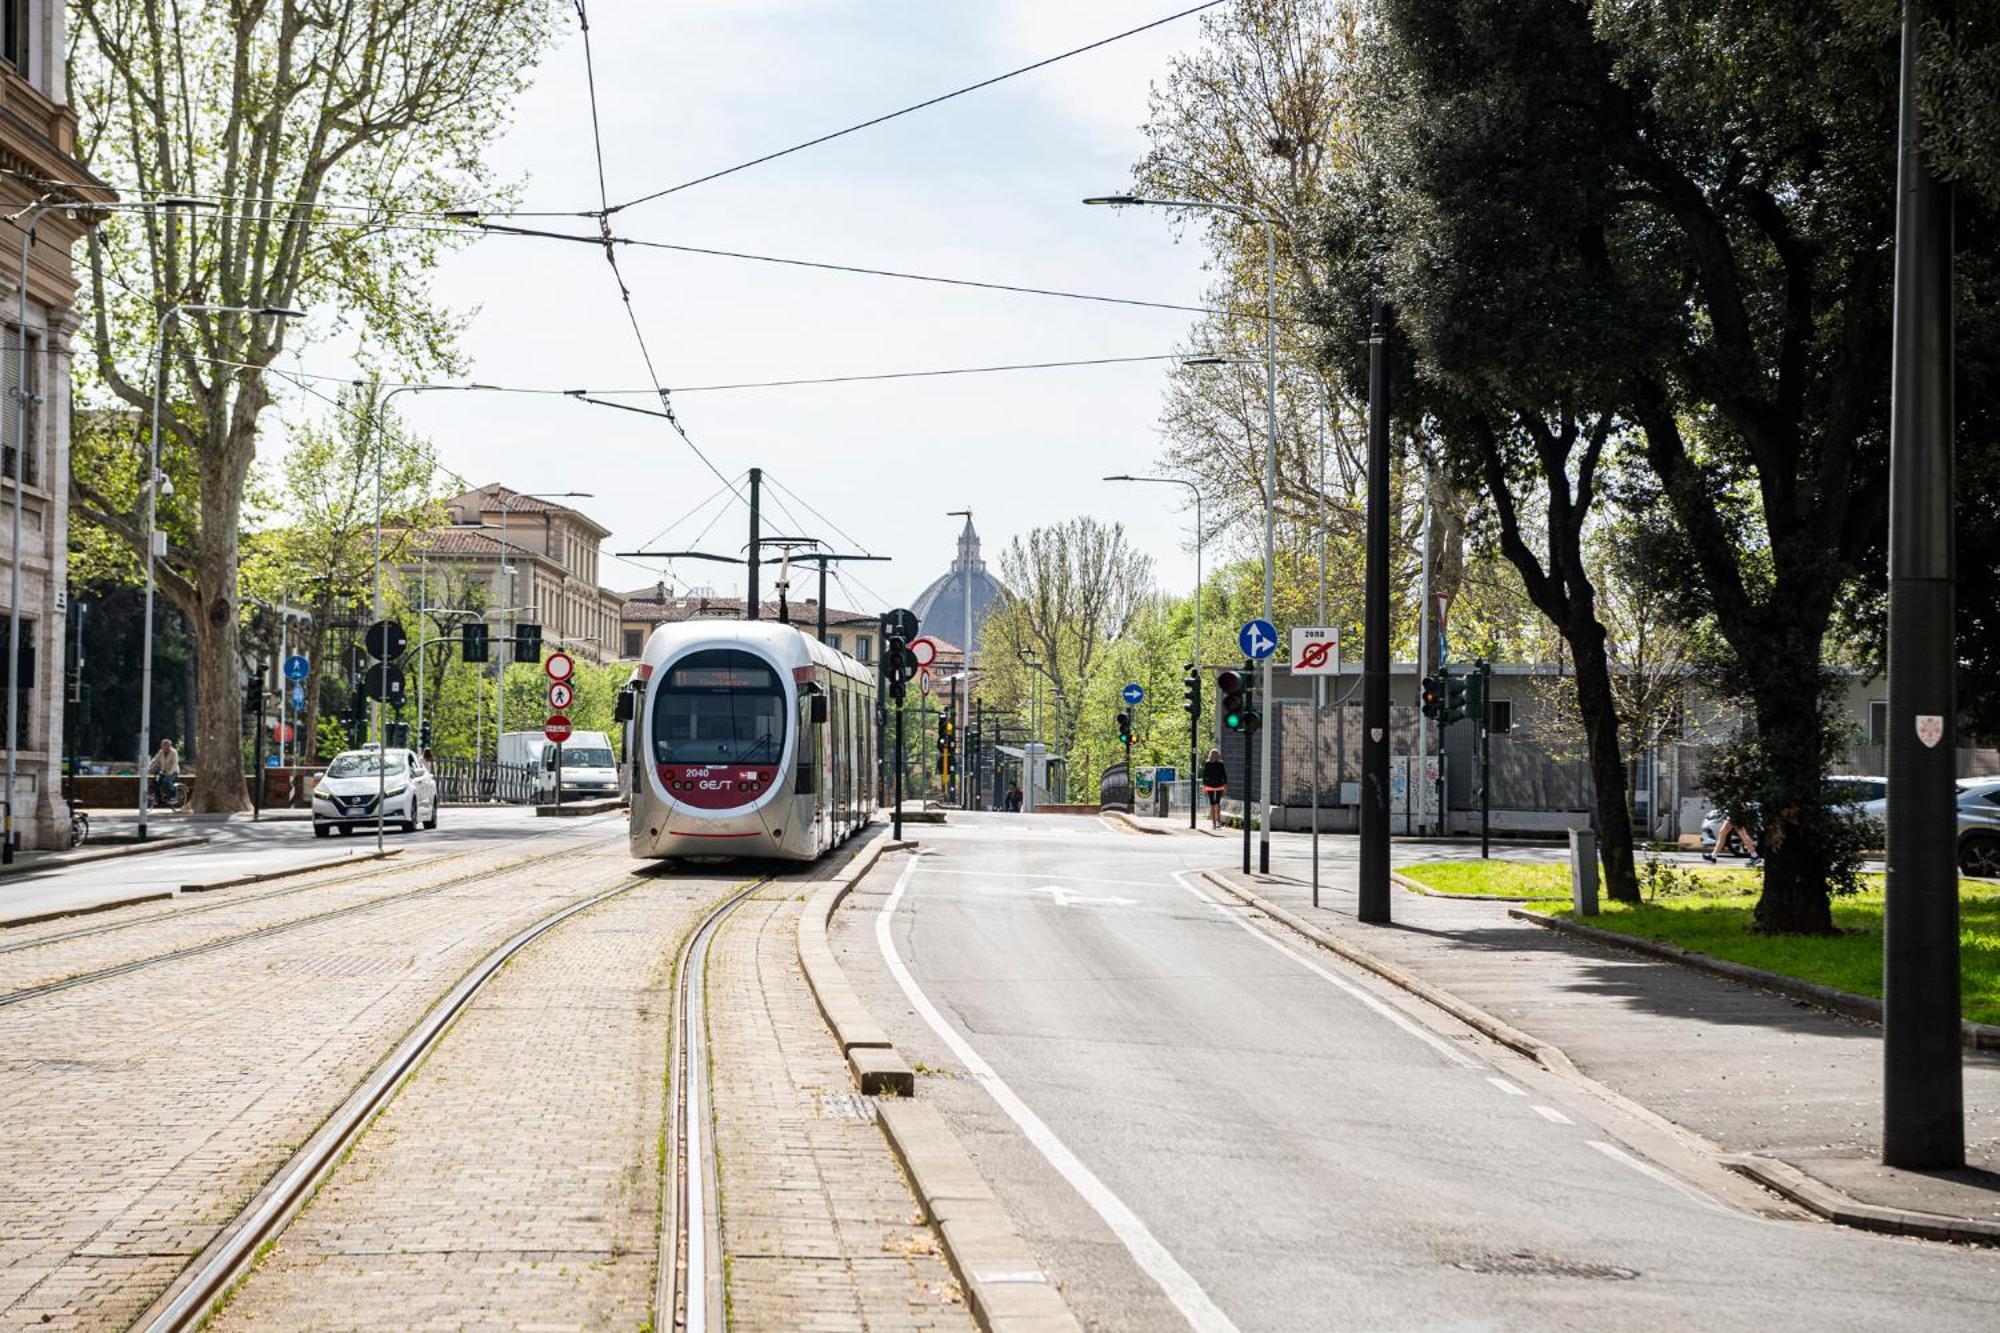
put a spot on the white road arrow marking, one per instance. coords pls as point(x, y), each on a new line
point(1065, 898)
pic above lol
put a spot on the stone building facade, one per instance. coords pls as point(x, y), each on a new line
point(44, 190)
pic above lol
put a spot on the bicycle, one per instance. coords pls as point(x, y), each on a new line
point(79, 825)
point(169, 794)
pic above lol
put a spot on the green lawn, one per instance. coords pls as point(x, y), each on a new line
point(1715, 920)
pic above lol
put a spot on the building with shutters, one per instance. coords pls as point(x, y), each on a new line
point(38, 145)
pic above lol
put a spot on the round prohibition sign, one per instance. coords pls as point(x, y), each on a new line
point(560, 695)
point(560, 666)
point(924, 650)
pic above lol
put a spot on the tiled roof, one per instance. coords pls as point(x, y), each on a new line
point(491, 497)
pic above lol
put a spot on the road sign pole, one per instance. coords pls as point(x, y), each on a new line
point(896, 815)
point(1249, 779)
point(559, 746)
point(1372, 896)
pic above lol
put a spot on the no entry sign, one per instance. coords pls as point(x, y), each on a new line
point(557, 729)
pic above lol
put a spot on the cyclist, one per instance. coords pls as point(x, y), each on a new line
point(165, 768)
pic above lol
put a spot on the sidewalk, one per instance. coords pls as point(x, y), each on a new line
point(1752, 1072)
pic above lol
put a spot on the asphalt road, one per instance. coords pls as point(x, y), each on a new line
point(239, 847)
point(1201, 1121)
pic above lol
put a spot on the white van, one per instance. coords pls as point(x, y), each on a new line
point(589, 771)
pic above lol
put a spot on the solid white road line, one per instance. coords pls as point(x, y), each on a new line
point(1505, 1086)
point(1175, 1281)
point(929, 869)
point(1423, 1034)
point(1651, 1172)
point(1550, 1113)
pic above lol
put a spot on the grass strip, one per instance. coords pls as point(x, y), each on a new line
point(1708, 909)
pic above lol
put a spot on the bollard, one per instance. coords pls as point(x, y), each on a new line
point(1583, 871)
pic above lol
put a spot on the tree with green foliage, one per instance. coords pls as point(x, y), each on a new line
point(311, 128)
point(1691, 204)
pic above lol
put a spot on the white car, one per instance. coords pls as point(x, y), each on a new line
point(346, 793)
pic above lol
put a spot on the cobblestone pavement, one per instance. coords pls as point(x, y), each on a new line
point(141, 1112)
point(819, 1228)
point(515, 1180)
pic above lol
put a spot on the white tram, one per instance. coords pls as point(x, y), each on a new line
point(747, 738)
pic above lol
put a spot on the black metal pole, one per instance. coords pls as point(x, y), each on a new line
point(751, 609)
point(1485, 760)
point(896, 816)
point(1194, 742)
point(973, 768)
point(822, 598)
point(1372, 897)
point(1249, 776)
point(1923, 1098)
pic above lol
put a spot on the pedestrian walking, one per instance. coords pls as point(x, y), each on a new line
point(1732, 828)
point(1014, 797)
point(1214, 781)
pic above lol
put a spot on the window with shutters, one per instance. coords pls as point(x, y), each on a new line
point(14, 33)
point(14, 423)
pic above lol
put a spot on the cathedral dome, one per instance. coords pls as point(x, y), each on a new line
point(940, 608)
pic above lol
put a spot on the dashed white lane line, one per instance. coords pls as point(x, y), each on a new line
point(929, 869)
point(1505, 1086)
point(1423, 1034)
point(1550, 1113)
point(1651, 1172)
point(1154, 1258)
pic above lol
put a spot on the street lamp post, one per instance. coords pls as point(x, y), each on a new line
point(1194, 658)
point(964, 721)
point(153, 551)
point(513, 603)
point(1270, 461)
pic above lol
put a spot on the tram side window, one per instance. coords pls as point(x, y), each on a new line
point(810, 740)
point(719, 706)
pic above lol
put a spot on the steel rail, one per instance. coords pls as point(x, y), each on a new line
point(266, 932)
point(190, 1301)
point(688, 1294)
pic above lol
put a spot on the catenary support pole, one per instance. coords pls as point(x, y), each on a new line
point(1923, 1108)
point(755, 556)
point(1249, 777)
point(896, 811)
point(1372, 900)
point(1485, 760)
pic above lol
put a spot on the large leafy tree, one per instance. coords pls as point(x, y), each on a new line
point(1723, 175)
point(309, 125)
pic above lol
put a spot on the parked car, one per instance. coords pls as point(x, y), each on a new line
point(345, 796)
point(1857, 792)
point(1978, 825)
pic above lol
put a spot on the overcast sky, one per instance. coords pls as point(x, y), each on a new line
point(985, 187)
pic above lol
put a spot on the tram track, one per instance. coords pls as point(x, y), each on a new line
point(689, 1293)
point(688, 1180)
point(95, 975)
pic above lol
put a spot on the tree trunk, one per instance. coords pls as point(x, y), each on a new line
point(1791, 730)
point(1599, 709)
point(315, 655)
point(219, 787)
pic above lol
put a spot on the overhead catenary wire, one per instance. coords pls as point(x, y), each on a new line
point(900, 112)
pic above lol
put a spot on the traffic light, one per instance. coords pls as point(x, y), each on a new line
point(472, 641)
point(424, 735)
point(1239, 701)
point(1476, 690)
point(1125, 728)
point(1433, 697)
point(253, 697)
point(1191, 693)
point(527, 643)
point(1456, 705)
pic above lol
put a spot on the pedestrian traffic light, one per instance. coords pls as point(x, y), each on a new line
point(424, 735)
point(1125, 728)
point(527, 643)
point(1191, 693)
point(1433, 697)
point(472, 641)
point(253, 696)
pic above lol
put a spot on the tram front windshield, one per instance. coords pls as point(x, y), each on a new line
point(719, 706)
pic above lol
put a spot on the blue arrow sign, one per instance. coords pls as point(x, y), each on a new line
point(296, 667)
point(1133, 694)
point(1259, 639)
point(298, 696)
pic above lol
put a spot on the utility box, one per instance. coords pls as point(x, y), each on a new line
point(1583, 871)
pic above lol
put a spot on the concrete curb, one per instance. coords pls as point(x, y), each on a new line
point(1549, 1057)
point(569, 808)
point(1839, 1206)
point(1006, 1287)
point(1123, 818)
point(1404, 881)
point(871, 1057)
point(263, 875)
point(1973, 1036)
point(1005, 1284)
point(61, 859)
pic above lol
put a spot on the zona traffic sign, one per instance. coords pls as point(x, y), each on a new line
point(557, 729)
point(1258, 639)
point(1133, 693)
point(559, 666)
